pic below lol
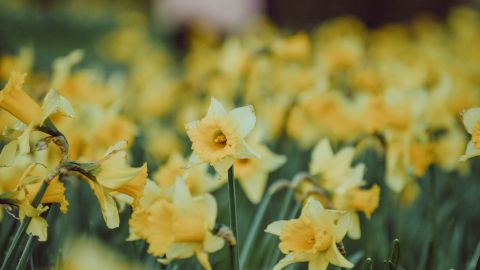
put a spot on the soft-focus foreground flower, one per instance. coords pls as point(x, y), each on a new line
point(218, 138)
point(112, 177)
point(312, 237)
point(178, 225)
point(471, 120)
point(14, 100)
point(18, 187)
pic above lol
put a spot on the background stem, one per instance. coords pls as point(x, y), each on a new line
point(233, 217)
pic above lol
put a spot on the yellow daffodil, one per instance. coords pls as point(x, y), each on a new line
point(197, 178)
point(334, 169)
point(114, 177)
point(252, 173)
point(312, 237)
point(14, 100)
point(356, 199)
point(179, 226)
point(218, 138)
point(471, 120)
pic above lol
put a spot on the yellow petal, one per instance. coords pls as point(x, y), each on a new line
point(53, 103)
point(254, 186)
point(243, 119)
point(38, 227)
point(8, 154)
point(212, 243)
point(216, 108)
point(470, 152)
point(471, 118)
point(335, 257)
point(108, 206)
point(222, 166)
point(354, 231)
point(15, 101)
point(202, 257)
point(321, 155)
point(319, 263)
point(276, 227)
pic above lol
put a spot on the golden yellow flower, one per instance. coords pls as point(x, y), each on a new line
point(14, 100)
point(218, 138)
point(312, 237)
point(115, 178)
point(180, 227)
point(356, 199)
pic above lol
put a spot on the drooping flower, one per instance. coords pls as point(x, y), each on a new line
point(218, 138)
point(14, 100)
point(312, 237)
point(112, 177)
point(471, 120)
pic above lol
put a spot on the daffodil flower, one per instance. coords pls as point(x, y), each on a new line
point(218, 138)
point(252, 173)
point(197, 178)
point(112, 177)
point(471, 120)
point(335, 170)
point(356, 199)
point(312, 237)
point(14, 100)
point(178, 226)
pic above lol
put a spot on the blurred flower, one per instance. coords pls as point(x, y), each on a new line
point(218, 138)
point(197, 178)
point(178, 226)
point(312, 237)
point(252, 173)
point(111, 176)
point(471, 120)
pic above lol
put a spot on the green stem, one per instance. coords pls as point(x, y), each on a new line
point(233, 217)
point(433, 209)
point(27, 252)
point(23, 226)
point(253, 232)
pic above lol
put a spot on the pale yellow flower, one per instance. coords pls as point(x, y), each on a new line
point(356, 199)
point(312, 237)
point(471, 120)
point(218, 138)
point(114, 177)
point(334, 169)
point(14, 100)
point(252, 173)
point(197, 178)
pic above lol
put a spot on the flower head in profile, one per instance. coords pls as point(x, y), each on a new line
point(112, 177)
point(30, 114)
point(471, 120)
point(312, 237)
point(218, 138)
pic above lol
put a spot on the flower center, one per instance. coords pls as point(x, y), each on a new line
point(476, 136)
point(323, 240)
point(219, 138)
